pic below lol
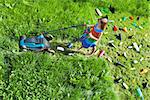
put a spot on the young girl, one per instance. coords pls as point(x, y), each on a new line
point(93, 35)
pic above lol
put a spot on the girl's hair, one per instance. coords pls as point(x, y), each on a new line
point(104, 25)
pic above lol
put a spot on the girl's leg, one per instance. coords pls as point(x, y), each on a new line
point(93, 50)
point(80, 48)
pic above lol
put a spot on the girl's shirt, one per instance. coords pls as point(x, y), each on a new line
point(96, 32)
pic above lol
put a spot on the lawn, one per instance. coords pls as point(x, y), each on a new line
point(37, 75)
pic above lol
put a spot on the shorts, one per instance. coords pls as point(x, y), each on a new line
point(87, 42)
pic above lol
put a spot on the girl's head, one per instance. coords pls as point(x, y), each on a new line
point(103, 22)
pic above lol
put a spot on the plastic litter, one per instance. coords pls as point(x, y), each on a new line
point(125, 54)
point(60, 48)
point(140, 27)
point(112, 9)
point(130, 29)
point(120, 43)
point(119, 36)
point(109, 59)
point(125, 85)
point(70, 45)
point(136, 47)
point(139, 93)
point(130, 37)
point(134, 24)
point(112, 45)
point(115, 28)
point(140, 46)
point(118, 63)
point(98, 12)
point(131, 17)
point(138, 18)
point(111, 41)
point(145, 85)
point(133, 68)
point(141, 59)
point(70, 54)
point(125, 29)
point(120, 28)
point(118, 80)
point(124, 18)
point(130, 47)
point(143, 71)
point(135, 61)
point(101, 53)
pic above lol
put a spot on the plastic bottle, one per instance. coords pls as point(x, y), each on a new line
point(139, 93)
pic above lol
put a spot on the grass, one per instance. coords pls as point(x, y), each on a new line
point(57, 78)
point(41, 75)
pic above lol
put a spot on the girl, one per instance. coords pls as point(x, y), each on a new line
point(93, 35)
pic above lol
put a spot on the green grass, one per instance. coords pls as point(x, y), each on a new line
point(65, 77)
point(41, 75)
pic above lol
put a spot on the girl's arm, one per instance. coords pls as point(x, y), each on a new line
point(89, 25)
point(100, 37)
point(91, 36)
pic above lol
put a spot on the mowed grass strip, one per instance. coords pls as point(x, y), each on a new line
point(43, 76)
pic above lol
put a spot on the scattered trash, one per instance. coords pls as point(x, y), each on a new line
point(134, 24)
point(118, 80)
point(115, 28)
point(125, 29)
point(111, 41)
point(119, 36)
point(125, 85)
point(130, 47)
point(138, 18)
point(98, 12)
point(70, 54)
point(120, 43)
point(125, 54)
point(118, 63)
point(130, 29)
point(109, 59)
point(130, 37)
point(101, 53)
point(120, 28)
point(139, 93)
point(140, 27)
point(145, 85)
point(144, 71)
point(60, 48)
point(112, 9)
point(112, 45)
point(135, 61)
point(136, 47)
point(140, 46)
point(124, 18)
point(133, 68)
point(141, 59)
point(70, 45)
point(131, 17)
